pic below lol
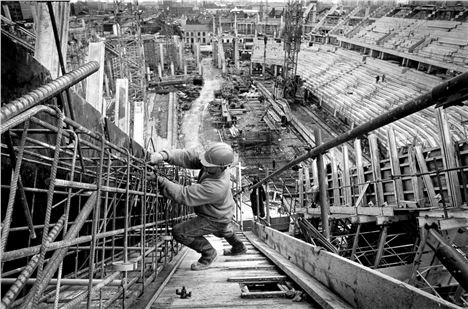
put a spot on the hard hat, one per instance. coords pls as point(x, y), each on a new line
point(217, 155)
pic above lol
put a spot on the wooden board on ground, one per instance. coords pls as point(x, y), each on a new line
point(361, 286)
point(211, 289)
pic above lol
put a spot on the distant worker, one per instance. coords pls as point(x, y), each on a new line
point(364, 58)
point(383, 78)
point(210, 197)
point(377, 78)
point(257, 196)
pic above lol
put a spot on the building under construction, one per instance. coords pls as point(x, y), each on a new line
point(351, 115)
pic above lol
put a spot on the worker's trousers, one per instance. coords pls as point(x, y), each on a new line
point(191, 232)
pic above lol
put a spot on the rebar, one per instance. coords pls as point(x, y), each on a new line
point(47, 91)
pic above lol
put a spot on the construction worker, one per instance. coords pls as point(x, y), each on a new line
point(257, 196)
point(211, 199)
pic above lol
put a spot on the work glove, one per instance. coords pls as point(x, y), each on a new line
point(151, 176)
point(156, 158)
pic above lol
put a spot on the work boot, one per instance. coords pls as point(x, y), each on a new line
point(238, 246)
point(203, 246)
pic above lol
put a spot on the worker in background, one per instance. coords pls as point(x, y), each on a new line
point(257, 196)
point(210, 197)
point(377, 78)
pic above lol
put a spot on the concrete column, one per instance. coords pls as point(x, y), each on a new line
point(45, 51)
point(236, 53)
point(185, 69)
point(220, 54)
point(172, 69)
point(224, 67)
point(275, 69)
point(314, 14)
point(181, 54)
point(235, 24)
point(161, 54)
point(94, 83)
point(160, 70)
point(122, 120)
point(197, 53)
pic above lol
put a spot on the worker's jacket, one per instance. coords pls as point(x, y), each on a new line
point(211, 197)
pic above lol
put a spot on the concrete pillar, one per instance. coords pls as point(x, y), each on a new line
point(185, 69)
point(116, 29)
point(236, 53)
point(122, 108)
point(220, 54)
point(235, 24)
point(160, 70)
point(161, 54)
point(94, 83)
point(314, 14)
point(181, 54)
point(275, 69)
point(366, 14)
point(197, 53)
point(45, 51)
point(224, 67)
point(138, 123)
point(172, 69)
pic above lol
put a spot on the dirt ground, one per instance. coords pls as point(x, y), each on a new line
point(196, 127)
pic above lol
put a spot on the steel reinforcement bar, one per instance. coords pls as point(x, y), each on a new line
point(115, 227)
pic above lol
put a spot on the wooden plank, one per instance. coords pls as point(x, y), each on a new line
point(415, 180)
point(380, 248)
point(360, 172)
point(363, 219)
point(335, 184)
point(362, 194)
point(321, 294)
point(171, 268)
point(267, 294)
point(426, 178)
point(346, 177)
point(360, 286)
point(449, 158)
point(257, 278)
point(443, 224)
point(352, 211)
point(452, 213)
point(395, 166)
point(301, 187)
point(377, 174)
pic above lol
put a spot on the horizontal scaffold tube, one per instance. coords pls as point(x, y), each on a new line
point(47, 91)
point(455, 89)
